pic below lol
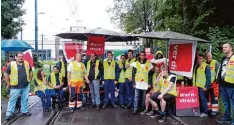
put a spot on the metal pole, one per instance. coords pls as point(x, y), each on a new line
point(42, 38)
point(36, 28)
point(167, 51)
point(21, 35)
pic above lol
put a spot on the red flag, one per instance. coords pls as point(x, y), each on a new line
point(95, 44)
point(28, 57)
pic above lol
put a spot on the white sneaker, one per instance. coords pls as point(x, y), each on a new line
point(203, 115)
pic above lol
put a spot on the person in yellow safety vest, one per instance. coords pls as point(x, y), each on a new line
point(76, 72)
point(111, 76)
point(40, 86)
point(18, 76)
point(213, 92)
point(128, 79)
point(226, 84)
point(165, 92)
point(122, 89)
point(152, 91)
point(202, 80)
point(141, 79)
point(94, 73)
point(55, 87)
point(61, 65)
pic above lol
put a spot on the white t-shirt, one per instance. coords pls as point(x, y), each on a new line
point(142, 85)
point(70, 66)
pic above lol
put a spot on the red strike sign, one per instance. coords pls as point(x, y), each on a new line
point(95, 45)
point(72, 48)
point(180, 57)
point(187, 98)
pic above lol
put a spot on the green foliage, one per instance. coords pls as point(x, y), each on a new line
point(11, 22)
point(4, 92)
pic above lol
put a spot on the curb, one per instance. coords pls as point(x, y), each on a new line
point(179, 119)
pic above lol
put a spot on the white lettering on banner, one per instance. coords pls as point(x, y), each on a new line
point(173, 63)
point(191, 100)
point(187, 95)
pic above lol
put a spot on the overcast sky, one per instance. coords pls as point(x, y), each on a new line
point(59, 15)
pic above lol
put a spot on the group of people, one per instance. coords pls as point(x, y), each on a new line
point(138, 80)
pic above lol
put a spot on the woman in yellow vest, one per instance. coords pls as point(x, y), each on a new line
point(40, 88)
point(202, 79)
point(76, 75)
point(55, 86)
point(154, 89)
point(122, 89)
point(166, 92)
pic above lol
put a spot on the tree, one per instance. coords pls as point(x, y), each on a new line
point(11, 18)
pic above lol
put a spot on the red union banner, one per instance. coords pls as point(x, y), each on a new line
point(28, 57)
point(71, 48)
point(95, 44)
point(181, 57)
point(187, 101)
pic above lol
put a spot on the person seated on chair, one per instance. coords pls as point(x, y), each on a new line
point(166, 92)
point(55, 83)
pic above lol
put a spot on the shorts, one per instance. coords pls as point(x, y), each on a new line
point(167, 97)
point(78, 85)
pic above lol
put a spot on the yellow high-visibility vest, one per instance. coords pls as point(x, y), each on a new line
point(96, 68)
point(164, 83)
point(122, 73)
point(229, 77)
point(128, 73)
point(41, 85)
point(179, 77)
point(200, 79)
point(77, 73)
point(212, 70)
point(142, 73)
point(14, 72)
point(109, 70)
point(53, 80)
point(63, 69)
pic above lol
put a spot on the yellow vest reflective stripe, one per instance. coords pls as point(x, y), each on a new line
point(96, 68)
point(164, 83)
point(122, 73)
point(41, 85)
point(109, 70)
point(129, 70)
point(77, 73)
point(53, 80)
point(63, 69)
point(200, 79)
point(14, 72)
point(212, 70)
point(155, 87)
point(229, 77)
point(142, 73)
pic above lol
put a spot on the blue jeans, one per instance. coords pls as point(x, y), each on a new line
point(59, 93)
point(203, 100)
point(109, 86)
point(50, 93)
point(129, 92)
point(14, 94)
point(227, 96)
point(122, 94)
point(94, 87)
point(136, 98)
point(77, 97)
point(44, 99)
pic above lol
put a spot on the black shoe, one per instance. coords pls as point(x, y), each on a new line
point(104, 106)
point(97, 107)
point(92, 106)
point(134, 112)
point(53, 106)
point(224, 121)
point(128, 107)
point(8, 118)
point(162, 117)
point(114, 105)
point(122, 106)
point(26, 114)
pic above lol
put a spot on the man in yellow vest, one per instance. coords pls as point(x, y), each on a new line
point(76, 73)
point(213, 92)
point(122, 89)
point(226, 81)
point(166, 91)
point(94, 73)
point(55, 87)
point(202, 79)
point(18, 75)
point(128, 79)
point(141, 78)
point(111, 76)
